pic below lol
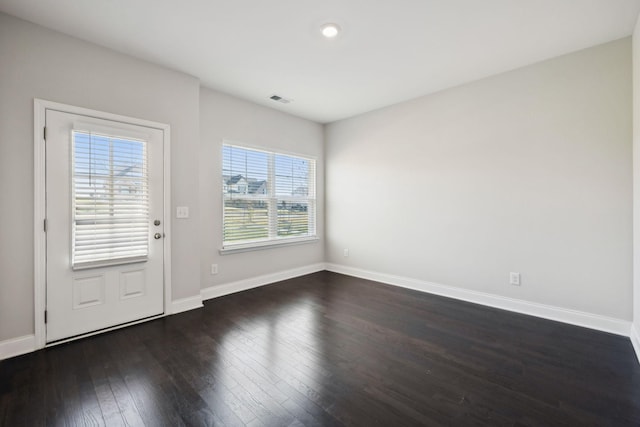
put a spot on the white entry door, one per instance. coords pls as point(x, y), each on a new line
point(104, 227)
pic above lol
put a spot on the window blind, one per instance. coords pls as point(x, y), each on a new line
point(267, 196)
point(110, 200)
point(295, 193)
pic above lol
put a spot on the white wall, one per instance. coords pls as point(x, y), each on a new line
point(225, 117)
point(636, 189)
point(39, 63)
point(529, 171)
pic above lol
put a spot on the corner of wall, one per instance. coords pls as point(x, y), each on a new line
point(544, 311)
point(17, 346)
point(254, 282)
point(185, 304)
point(635, 338)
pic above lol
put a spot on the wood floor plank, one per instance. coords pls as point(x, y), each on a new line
point(329, 350)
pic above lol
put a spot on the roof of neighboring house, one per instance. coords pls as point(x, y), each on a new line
point(234, 179)
point(126, 170)
point(255, 186)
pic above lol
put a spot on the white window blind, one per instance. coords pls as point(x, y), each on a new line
point(268, 197)
point(110, 200)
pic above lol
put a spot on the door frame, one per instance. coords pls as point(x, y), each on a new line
point(40, 108)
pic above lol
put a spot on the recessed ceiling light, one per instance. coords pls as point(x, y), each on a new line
point(330, 30)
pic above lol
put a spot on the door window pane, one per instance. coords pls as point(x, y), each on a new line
point(110, 200)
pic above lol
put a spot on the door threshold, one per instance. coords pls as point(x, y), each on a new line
point(103, 330)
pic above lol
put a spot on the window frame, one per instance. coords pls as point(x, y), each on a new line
point(272, 200)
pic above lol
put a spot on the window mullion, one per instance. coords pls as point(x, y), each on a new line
point(273, 201)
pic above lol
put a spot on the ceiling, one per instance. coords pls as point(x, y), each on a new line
point(389, 51)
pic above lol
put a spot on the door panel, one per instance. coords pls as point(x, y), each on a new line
point(104, 191)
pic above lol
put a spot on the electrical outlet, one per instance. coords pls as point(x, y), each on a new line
point(346, 252)
point(182, 212)
point(514, 279)
point(214, 269)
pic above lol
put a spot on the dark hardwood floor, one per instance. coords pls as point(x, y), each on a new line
point(330, 350)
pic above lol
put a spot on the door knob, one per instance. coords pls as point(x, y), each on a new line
point(157, 236)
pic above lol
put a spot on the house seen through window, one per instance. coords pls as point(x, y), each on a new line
point(268, 197)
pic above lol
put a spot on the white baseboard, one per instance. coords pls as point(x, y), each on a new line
point(17, 346)
point(254, 282)
point(26, 344)
point(635, 341)
point(186, 304)
point(574, 317)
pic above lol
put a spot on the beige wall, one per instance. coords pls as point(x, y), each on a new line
point(225, 117)
point(529, 171)
point(39, 63)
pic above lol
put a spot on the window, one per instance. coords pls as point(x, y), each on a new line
point(268, 197)
point(110, 200)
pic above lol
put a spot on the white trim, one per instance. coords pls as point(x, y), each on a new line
point(186, 304)
point(39, 215)
point(27, 344)
point(247, 247)
point(267, 149)
point(574, 317)
point(166, 132)
point(254, 282)
point(39, 120)
point(102, 331)
point(635, 340)
point(17, 346)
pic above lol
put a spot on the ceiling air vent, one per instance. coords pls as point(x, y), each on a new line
point(280, 99)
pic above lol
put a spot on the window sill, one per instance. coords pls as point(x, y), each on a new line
point(266, 245)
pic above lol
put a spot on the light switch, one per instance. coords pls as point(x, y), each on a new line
point(182, 212)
